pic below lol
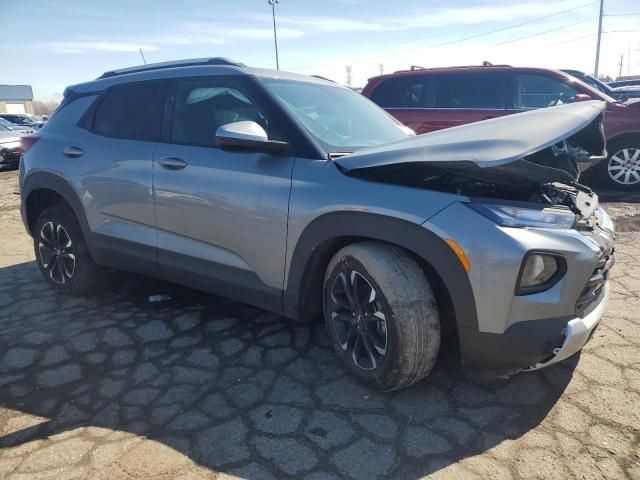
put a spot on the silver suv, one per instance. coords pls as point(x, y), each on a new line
point(302, 197)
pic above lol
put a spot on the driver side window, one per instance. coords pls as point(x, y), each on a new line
point(203, 105)
point(539, 91)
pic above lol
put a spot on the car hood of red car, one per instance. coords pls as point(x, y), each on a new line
point(538, 146)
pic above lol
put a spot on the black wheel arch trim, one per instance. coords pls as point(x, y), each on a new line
point(57, 184)
point(415, 238)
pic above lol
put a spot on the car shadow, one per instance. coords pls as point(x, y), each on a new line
point(237, 389)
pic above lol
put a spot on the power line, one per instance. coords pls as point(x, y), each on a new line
point(621, 14)
point(542, 33)
point(512, 26)
point(471, 37)
point(575, 39)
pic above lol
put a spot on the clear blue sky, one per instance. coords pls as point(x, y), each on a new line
point(51, 44)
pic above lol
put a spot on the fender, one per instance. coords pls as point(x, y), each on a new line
point(414, 238)
point(56, 183)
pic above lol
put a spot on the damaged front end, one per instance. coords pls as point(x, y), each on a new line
point(532, 157)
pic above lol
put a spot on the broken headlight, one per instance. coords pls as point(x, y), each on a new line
point(510, 216)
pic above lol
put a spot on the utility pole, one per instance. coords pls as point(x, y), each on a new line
point(348, 76)
point(275, 36)
point(142, 55)
point(595, 70)
point(381, 67)
point(620, 64)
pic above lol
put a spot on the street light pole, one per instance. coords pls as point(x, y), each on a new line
point(275, 35)
point(595, 70)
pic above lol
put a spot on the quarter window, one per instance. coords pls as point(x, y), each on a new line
point(201, 106)
point(539, 91)
point(132, 111)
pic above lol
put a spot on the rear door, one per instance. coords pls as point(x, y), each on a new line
point(433, 101)
point(221, 215)
point(465, 97)
point(112, 166)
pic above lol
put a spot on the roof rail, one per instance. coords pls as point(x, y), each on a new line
point(323, 78)
point(173, 64)
point(417, 67)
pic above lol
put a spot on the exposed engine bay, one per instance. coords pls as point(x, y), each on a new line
point(578, 198)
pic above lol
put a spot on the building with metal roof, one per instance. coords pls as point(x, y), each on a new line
point(16, 99)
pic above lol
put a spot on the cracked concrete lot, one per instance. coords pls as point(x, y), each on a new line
point(110, 386)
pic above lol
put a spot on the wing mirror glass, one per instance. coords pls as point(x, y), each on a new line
point(247, 135)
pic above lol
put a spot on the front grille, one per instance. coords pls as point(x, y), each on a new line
point(595, 286)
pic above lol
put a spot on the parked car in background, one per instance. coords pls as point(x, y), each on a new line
point(39, 120)
point(620, 94)
point(21, 119)
point(624, 83)
point(10, 150)
point(12, 126)
point(432, 99)
point(300, 196)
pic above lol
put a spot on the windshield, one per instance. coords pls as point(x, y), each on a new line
point(340, 119)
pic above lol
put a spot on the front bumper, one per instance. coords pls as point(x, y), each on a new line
point(577, 333)
point(511, 332)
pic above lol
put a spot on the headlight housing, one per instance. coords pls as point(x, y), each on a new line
point(539, 272)
point(514, 216)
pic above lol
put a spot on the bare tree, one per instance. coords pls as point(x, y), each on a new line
point(44, 107)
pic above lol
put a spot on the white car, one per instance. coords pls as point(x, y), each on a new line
point(12, 126)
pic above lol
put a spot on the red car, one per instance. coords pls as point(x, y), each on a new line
point(428, 99)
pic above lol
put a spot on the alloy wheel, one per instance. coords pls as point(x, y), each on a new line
point(357, 319)
point(57, 254)
point(624, 166)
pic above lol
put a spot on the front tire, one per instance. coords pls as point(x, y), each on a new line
point(61, 252)
point(381, 314)
point(621, 171)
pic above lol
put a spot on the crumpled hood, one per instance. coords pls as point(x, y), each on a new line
point(524, 148)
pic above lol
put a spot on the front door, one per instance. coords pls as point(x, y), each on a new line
point(221, 215)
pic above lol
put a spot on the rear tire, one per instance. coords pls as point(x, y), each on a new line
point(381, 314)
point(621, 170)
point(61, 252)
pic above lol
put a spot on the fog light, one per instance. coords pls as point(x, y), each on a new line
point(539, 272)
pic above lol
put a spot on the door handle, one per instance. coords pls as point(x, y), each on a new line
point(73, 152)
point(172, 163)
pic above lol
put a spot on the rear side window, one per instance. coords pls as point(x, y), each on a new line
point(471, 90)
point(414, 91)
point(131, 111)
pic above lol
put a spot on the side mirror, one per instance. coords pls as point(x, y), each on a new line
point(247, 135)
point(582, 97)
